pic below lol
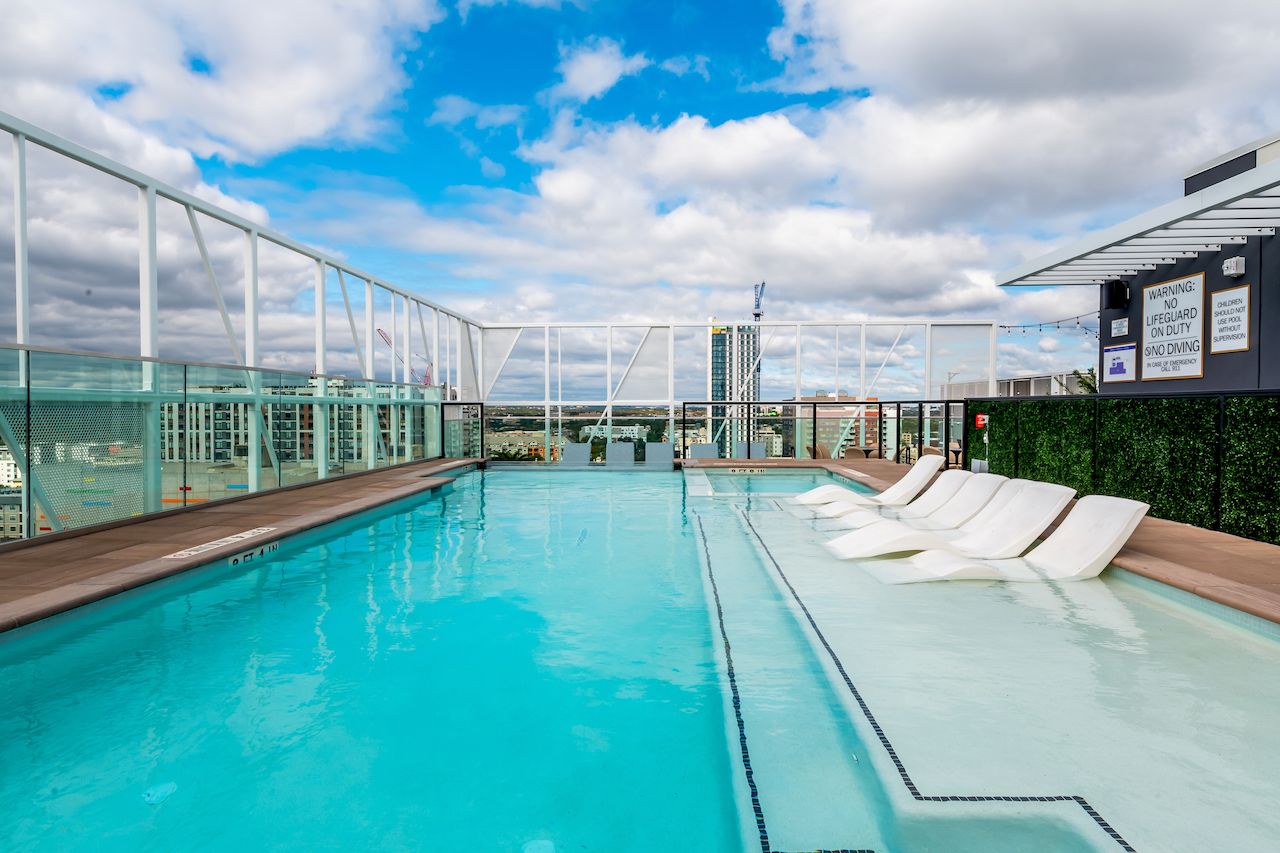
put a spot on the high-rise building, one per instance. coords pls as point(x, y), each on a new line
point(734, 376)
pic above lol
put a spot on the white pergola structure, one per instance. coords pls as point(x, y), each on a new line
point(1221, 215)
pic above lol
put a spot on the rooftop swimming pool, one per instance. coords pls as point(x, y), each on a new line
point(542, 661)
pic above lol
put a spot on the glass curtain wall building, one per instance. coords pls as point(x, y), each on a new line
point(734, 374)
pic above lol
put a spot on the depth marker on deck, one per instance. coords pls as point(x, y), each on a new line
point(218, 543)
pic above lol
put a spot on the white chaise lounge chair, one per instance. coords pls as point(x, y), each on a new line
point(1083, 545)
point(943, 489)
point(575, 453)
point(988, 535)
point(658, 454)
point(704, 451)
point(752, 450)
point(899, 493)
point(619, 454)
point(978, 493)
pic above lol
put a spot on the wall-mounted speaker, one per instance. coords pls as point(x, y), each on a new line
point(1115, 295)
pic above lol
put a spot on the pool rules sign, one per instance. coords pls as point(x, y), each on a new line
point(1173, 329)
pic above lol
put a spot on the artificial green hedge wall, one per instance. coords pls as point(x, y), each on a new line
point(1055, 442)
point(1002, 436)
point(1250, 489)
point(1160, 450)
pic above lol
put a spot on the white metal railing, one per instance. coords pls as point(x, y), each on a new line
point(607, 365)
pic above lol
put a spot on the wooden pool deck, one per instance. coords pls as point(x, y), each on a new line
point(53, 574)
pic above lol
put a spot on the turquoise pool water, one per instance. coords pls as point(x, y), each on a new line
point(780, 482)
point(527, 661)
point(538, 661)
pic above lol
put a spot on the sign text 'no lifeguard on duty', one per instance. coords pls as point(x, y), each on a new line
point(1173, 329)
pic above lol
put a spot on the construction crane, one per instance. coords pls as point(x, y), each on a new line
point(413, 374)
point(757, 312)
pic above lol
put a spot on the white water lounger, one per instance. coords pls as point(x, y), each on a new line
point(1083, 545)
point(899, 493)
point(976, 493)
point(935, 497)
point(989, 535)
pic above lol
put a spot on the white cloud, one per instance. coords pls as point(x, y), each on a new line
point(453, 110)
point(929, 49)
point(278, 74)
point(465, 6)
point(992, 131)
point(682, 65)
point(1020, 115)
point(589, 70)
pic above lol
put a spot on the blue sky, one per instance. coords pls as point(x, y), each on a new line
point(510, 54)
point(540, 159)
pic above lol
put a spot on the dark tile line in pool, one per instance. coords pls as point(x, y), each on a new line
point(737, 713)
point(884, 739)
point(737, 700)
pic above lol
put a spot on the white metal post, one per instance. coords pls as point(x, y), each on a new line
point(862, 379)
point(798, 367)
point(148, 334)
point(408, 409)
point(22, 325)
point(458, 361)
point(546, 394)
point(372, 425)
point(482, 389)
point(862, 361)
point(437, 378)
point(148, 281)
point(671, 384)
point(21, 272)
point(928, 386)
point(251, 298)
point(928, 361)
point(320, 411)
point(559, 387)
point(251, 357)
point(991, 360)
point(608, 384)
point(393, 391)
point(837, 392)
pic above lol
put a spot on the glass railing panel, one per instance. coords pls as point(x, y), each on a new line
point(463, 431)
point(292, 418)
point(13, 431)
point(225, 422)
point(636, 425)
point(518, 434)
point(933, 429)
point(95, 439)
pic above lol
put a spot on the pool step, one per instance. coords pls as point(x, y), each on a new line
point(816, 788)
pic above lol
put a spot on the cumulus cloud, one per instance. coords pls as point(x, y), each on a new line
point(589, 70)
point(465, 6)
point(238, 79)
point(957, 141)
point(999, 112)
point(682, 65)
point(454, 110)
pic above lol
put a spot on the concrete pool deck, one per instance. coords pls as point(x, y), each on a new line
point(53, 574)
